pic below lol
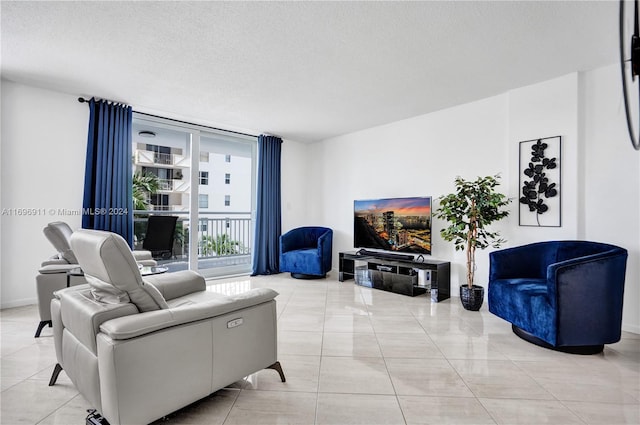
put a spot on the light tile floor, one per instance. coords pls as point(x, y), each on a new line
point(354, 355)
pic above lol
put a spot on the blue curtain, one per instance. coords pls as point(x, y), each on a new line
point(108, 198)
point(266, 252)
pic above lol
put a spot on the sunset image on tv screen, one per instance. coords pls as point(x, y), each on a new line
point(394, 224)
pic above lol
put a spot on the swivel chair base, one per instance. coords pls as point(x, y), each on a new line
point(308, 276)
point(572, 349)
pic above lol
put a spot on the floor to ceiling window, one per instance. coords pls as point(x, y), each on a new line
point(206, 178)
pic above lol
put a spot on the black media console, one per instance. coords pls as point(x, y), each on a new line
point(400, 275)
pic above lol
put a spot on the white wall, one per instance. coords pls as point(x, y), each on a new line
point(421, 156)
point(612, 179)
point(296, 189)
point(545, 110)
point(415, 157)
point(44, 137)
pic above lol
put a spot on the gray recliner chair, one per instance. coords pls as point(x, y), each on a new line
point(140, 348)
point(53, 273)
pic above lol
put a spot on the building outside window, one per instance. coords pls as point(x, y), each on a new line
point(159, 202)
point(227, 178)
point(227, 200)
point(204, 156)
point(203, 201)
point(227, 158)
point(204, 177)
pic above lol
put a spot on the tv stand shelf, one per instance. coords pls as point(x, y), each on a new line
point(401, 276)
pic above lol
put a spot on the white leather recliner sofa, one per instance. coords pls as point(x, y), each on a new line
point(140, 348)
point(52, 274)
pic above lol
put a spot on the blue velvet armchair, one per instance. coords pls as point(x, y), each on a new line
point(306, 252)
point(564, 295)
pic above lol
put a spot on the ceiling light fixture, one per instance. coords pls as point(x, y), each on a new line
point(146, 133)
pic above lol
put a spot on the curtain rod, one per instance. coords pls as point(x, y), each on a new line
point(83, 100)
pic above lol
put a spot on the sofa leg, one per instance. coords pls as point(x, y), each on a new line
point(54, 375)
point(41, 326)
point(578, 349)
point(276, 366)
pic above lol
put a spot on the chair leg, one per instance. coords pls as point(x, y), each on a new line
point(54, 375)
point(41, 326)
point(276, 366)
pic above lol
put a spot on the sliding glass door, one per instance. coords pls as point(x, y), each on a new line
point(225, 195)
point(206, 178)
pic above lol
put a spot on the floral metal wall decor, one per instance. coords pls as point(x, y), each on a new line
point(540, 190)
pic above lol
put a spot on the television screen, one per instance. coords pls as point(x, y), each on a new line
point(395, 224)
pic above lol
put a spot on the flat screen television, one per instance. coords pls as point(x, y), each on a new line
point(393, 224)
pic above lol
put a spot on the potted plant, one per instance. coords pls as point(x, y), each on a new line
point(470, 210)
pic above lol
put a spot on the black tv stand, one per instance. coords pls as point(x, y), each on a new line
point(406, 277)
point(385, 255)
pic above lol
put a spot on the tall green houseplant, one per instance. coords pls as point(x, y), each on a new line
point(470, 210)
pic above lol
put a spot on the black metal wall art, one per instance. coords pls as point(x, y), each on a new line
point(540, 190)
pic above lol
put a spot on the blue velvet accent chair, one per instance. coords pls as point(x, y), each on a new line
point(563, 295)
point(306, 252)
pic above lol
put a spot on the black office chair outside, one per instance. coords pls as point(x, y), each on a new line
point(159, 236)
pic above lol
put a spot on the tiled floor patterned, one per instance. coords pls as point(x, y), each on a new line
point(355, 355)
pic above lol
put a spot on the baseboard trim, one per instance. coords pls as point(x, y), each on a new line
point(18, 303)
point(631, 328)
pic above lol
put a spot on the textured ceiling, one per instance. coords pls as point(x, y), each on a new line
point(302, 70)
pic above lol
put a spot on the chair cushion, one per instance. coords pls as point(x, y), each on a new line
point(525, 303)
point(190, 308)
point(59, 233)
point(305, 261)
point(112, 272)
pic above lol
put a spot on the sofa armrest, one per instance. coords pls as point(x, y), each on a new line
point(57, 268)
point(595, 271)
point(587, 293)
point(55, 260)
point(177, 284)
point(325, 249)
point(142, 254)
point(144, 323)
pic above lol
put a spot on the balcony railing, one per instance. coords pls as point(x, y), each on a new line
point(142, 157)
point(165, 184)
point(157, 208)
point(173, 185)
point(220, 235)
